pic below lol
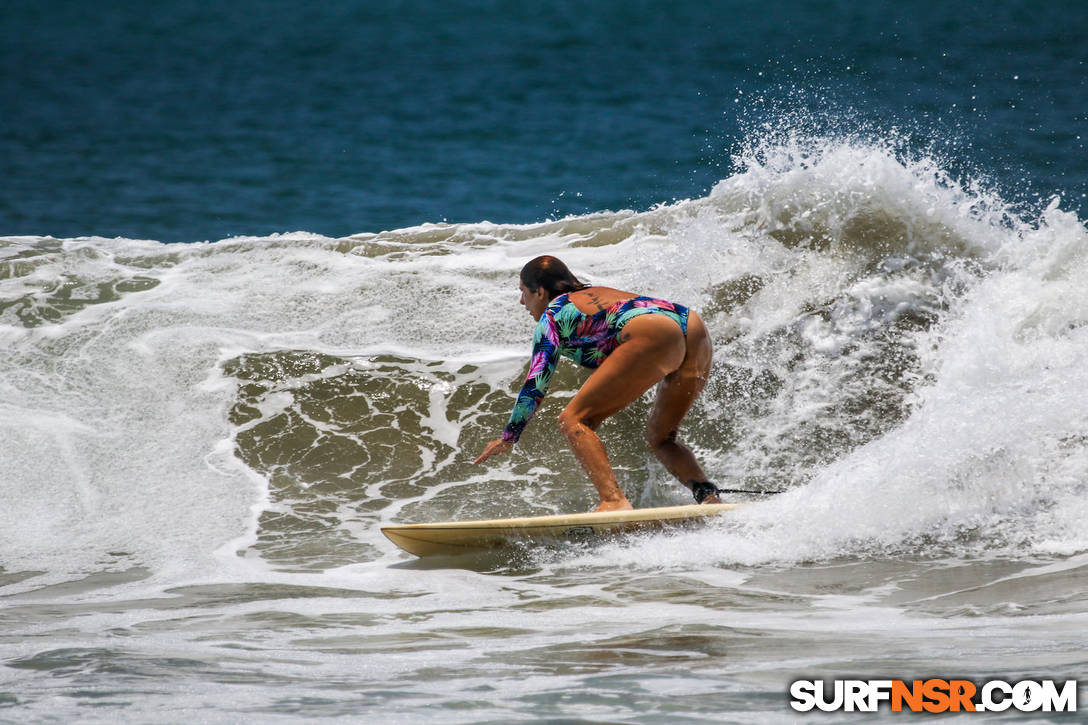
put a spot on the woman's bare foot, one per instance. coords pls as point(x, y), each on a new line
point(620, 505)
point(704, 491)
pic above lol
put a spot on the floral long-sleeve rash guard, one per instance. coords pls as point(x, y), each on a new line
point(565, 330)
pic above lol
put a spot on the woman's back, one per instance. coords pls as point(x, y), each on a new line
point(592, 300)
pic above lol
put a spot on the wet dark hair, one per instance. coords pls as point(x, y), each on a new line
point(551, 274)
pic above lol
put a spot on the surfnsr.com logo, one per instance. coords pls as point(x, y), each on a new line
point(934, 695)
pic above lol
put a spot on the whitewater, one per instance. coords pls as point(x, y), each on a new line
point(202, 440)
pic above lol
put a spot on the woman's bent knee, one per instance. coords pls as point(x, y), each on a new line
point(571, 422)
point(656, 439)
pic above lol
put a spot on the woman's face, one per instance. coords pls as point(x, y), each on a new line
point(535, 302)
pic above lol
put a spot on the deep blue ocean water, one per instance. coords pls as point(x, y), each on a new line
point(186, 121)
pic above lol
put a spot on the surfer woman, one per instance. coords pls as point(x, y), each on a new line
point(633, 343)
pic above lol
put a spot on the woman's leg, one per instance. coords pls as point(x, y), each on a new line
point(675, 397)
point(652, 347)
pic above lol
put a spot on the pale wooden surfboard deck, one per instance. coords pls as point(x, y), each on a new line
point(448, 538)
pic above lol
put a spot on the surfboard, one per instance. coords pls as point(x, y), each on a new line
point(449, 538)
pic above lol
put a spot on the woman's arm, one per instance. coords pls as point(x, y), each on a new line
point(541, 368)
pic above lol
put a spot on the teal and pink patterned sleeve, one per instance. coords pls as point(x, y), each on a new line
point(545, 357)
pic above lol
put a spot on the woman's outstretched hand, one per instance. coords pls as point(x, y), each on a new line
point(494, 448)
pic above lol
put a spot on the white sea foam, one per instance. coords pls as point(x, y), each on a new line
point(116, 401)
